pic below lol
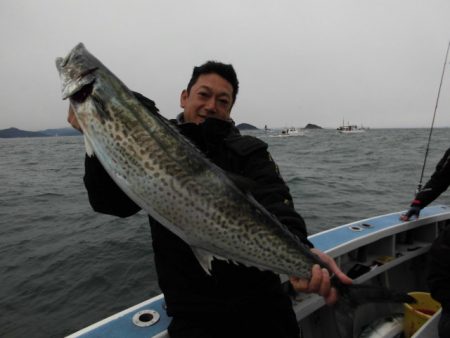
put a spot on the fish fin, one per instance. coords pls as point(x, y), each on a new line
point(204, 258)
point(354, 295)
point(226, 260)
point(88, 147)
point(358, 294)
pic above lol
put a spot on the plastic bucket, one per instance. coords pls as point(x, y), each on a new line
point(417, 314)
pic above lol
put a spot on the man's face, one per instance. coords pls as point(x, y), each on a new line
point(210, 96)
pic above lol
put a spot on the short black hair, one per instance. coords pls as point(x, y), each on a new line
point(224, 70)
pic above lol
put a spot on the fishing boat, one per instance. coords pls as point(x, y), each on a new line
point(291, 131)
point(350, 129)
point(380, 250)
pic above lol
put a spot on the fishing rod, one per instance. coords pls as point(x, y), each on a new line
point(419, 186)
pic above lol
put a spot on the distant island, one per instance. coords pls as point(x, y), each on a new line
point(14, 133)
point(312, 126)
point(245, 126)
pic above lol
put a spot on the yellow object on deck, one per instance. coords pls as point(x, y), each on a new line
point(417, 314)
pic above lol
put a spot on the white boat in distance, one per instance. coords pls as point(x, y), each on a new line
point(292, 131)
point(380, 251)
point(350, 129)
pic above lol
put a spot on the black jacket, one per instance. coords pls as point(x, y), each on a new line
point(439, 275)
point(230, 288)
point(438, 183)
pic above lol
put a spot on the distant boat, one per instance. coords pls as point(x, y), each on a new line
point(350, 128)
point(292, 131)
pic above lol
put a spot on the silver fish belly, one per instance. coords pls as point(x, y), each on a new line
point(170, 179)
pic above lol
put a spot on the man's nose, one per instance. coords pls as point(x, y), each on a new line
point(210, 105)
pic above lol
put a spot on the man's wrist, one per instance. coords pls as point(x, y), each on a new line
point(416, 203)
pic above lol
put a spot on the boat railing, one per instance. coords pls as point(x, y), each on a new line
point(384, 247)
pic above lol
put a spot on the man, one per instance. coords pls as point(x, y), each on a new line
point(235, 301)
point(439, 275)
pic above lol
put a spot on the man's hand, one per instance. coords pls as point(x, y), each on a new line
point(72, 119)
point(413, 211)
point(320, 279)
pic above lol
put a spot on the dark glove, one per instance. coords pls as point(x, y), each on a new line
point(412, 211)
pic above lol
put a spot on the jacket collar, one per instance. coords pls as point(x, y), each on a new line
point(180, 119)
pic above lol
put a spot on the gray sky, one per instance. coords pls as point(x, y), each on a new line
point(376, 63)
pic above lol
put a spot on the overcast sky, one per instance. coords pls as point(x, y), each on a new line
point(371, 62)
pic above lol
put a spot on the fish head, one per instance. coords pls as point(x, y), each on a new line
point(81, 79)
point(77, 72)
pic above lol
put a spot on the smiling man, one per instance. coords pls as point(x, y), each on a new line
point(235, 300)
point(209, 96)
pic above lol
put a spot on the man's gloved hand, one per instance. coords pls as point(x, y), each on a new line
point(412, 211)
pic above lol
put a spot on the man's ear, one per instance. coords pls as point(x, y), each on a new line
point(183, 97)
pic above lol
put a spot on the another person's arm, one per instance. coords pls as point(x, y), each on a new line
point(438, 183)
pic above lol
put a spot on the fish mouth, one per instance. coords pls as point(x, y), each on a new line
point(79, 89)
point(84, 86)
point(76, 71)
point(83, 93)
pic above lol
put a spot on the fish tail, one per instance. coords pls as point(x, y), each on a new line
point(352, 296)
point(358, 294)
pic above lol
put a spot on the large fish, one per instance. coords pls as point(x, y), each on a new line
point(172, 180)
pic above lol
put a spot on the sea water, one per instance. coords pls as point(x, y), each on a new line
point(63, 266)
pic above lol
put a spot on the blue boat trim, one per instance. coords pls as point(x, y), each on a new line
point(121, 325)
point(336, 237)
